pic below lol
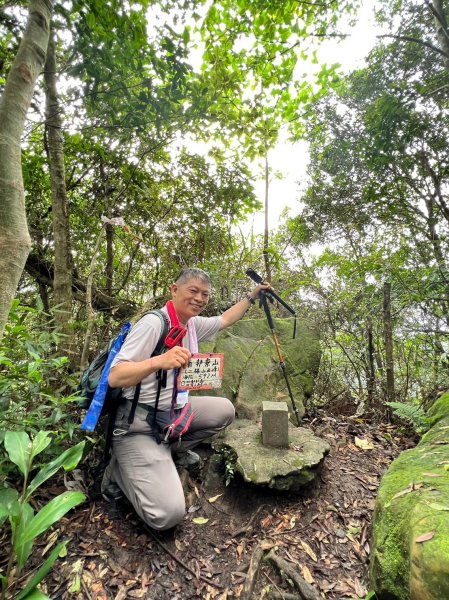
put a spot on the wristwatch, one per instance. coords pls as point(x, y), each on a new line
point(250, 299)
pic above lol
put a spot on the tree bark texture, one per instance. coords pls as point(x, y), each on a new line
point(371, 383)
point(388, 340)
point(91, 314)
point(62, 282)
point(109, 258)
point(15, 101)
point(42, 273)
point(441, 29)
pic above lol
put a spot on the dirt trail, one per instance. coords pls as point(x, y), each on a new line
point(324, 534)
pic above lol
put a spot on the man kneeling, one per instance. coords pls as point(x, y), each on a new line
point(143, 467)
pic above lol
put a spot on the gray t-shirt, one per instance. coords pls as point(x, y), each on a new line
point(140, 344)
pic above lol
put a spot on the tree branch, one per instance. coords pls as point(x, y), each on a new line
point(407, 38)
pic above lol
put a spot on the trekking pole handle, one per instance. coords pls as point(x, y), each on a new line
point(258, 279)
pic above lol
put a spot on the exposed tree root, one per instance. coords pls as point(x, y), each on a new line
point(246, 528)
point(179, 561)
point(251, 576)
point(306, 591)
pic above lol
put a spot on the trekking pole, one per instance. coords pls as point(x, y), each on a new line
point(258, 279)
point(264, 303)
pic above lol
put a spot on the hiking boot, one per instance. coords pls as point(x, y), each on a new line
point(109, 489)
point(187, 460)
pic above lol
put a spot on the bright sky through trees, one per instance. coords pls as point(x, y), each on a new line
point(291, 160)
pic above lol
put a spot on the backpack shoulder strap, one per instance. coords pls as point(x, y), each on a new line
point(158, 350)
point(165, 327)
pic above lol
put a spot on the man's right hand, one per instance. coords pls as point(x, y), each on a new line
point(127, 374)
point(175, 358)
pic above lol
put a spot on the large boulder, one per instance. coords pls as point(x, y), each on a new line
point(252, 373)
point(410, 552)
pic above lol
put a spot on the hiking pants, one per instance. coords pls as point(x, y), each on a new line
point(145, 470)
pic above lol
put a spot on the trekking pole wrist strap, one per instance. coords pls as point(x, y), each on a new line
point(250, 299)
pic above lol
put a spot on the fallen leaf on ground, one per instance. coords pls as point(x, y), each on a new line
point(411, 488)
point(307, 575)
point(267, 545)
point(266, 521)
point(309, 551)
point(425, 537)
point(179, 545)
point(437, 506)
point(200, 521)
point(215, 498)
point(363, 444)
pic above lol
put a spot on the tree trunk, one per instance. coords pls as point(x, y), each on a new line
point(42, 272)
point(266, 230)
point(109, 258)
point(371, 383)
point(441, 29)
point(62, 283)
point(388, 339)
point(15, 101)
point(91, 314)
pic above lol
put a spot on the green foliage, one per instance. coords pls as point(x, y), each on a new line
point(230, 458)
point(249, 74)
point(32, 379)
point(413, 415)
point(31, 386)
point(377, 210)
point(15, 507)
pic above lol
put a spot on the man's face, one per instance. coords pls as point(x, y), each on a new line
point(190, 298)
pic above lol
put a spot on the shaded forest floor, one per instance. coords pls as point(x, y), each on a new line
point(324, 533)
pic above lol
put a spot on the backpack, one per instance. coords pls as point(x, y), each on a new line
point(95, 393)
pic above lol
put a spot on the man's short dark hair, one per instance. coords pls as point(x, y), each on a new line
point(193, 273)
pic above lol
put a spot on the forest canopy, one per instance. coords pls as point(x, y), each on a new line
point(132, 136)
point(115, 201)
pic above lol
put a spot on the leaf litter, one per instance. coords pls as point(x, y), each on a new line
point(324, 533)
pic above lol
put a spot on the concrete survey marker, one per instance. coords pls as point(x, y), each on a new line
point(286, 469)
point(275, 424)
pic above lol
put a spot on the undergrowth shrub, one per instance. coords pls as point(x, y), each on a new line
point(412, 414)
point(34, 388)
point(36, 434)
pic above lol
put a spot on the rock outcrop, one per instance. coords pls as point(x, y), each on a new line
point(252, 372)
point(251, 376)
point(280, 469)
point(410, 551)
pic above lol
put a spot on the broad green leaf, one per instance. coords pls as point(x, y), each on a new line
point(42, 572)
point(90, 18)
point(40, 442)
point(9, 505)
point(37, 595)
point(45, 518)
point(18, 447)
point(68, 460)
point(23, 548)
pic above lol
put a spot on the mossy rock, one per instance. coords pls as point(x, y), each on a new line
point(252, 373)
point(438, 410)
point(413, 500)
